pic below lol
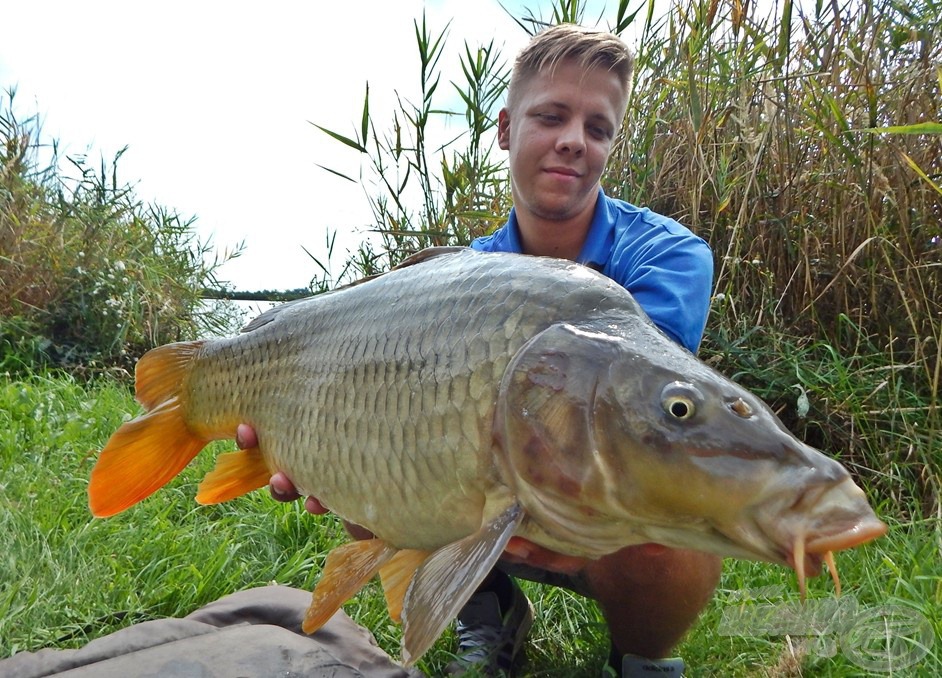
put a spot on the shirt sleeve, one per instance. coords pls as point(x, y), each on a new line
point(672, 279)
point(667, 269)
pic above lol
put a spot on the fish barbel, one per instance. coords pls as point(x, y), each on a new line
point(465, 398)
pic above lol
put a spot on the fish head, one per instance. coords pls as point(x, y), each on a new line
point(714, 468)
point(625, 437)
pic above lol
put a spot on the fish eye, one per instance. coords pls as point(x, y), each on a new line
point(679, 407)
point(679, 400)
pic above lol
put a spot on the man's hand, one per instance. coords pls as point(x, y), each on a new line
point(280, 485)
point(518, 550)
point(522, 551)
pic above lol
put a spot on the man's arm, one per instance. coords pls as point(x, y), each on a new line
point(673, 282)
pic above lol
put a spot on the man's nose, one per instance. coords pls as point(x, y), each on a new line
point(571, 139)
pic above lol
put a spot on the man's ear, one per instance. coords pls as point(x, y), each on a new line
point(503, 129)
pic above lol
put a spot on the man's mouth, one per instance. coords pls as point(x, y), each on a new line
point(562, 171)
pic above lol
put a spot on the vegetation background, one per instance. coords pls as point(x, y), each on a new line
point(805, 144)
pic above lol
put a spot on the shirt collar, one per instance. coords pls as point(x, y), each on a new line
point(601, 236)
point(512, 233)
point(599, 240)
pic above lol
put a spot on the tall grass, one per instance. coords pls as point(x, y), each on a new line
point(90, 277)
point(797, 150)
point(424, 194)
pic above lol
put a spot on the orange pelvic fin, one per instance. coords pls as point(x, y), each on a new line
point(236, 473)
point(147, 452)
point(347, 570)
point(396, 576)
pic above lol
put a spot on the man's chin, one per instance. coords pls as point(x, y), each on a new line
point(562, 209)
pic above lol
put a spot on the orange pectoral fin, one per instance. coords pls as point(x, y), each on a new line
point(348, 568)
point(236, 473)
point(140, 458)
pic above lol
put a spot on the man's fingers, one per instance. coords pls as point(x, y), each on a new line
point(311, 505)
point(245, 437)
point(520, 550)
point(280, 485)
point(282, 488)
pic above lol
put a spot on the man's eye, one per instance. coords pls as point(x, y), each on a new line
point(548, 117)
point(599, 132)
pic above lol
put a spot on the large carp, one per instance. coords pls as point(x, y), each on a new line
point(465, 398)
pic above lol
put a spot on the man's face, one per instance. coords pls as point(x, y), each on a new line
point(559, 134)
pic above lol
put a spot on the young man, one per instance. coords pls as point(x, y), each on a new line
point(567, 97)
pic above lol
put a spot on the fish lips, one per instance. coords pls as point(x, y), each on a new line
point(823, 519)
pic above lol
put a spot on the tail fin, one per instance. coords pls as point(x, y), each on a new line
point(159, 373)
point(146, 453)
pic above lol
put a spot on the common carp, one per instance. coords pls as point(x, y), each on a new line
point(465, 398)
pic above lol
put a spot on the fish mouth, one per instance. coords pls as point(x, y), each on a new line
point(806, 555)
point(804, 533)
point(826, 519)
point(858, 534)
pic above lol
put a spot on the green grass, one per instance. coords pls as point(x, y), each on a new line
point(66, 578)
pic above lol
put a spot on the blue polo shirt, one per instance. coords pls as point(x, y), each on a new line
point(668, 269)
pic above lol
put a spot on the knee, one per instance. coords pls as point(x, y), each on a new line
point(655, 568)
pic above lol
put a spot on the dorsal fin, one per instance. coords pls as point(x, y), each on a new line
point(272, 313)
point(417, 258)
point(428, 254)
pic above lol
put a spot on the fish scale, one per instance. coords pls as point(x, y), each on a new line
point(418, 412)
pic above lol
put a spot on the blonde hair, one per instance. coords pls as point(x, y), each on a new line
point(588, 48)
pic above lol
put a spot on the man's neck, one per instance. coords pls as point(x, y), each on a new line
point(562, 239)
point(553, 239)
